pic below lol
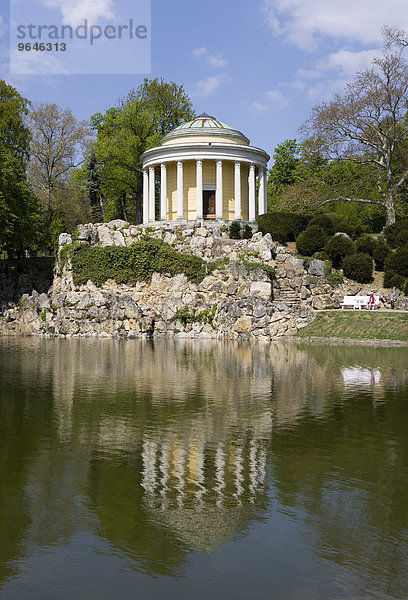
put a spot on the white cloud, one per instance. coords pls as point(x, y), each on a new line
point(216, 60)
point(330, 75)
point(257, 106)
point(348, 62)
point(276, 97)
point(307, 23)
point(270, 98)
point(75, 11)
point(200, 51)
point(206, 87)
point(36, 63)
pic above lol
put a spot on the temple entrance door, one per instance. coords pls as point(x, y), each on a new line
point(209, 204)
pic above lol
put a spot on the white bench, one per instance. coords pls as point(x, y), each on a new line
point(359, 302)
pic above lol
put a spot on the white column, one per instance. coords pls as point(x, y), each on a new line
point(218, 193)
point(237, 191)
point(262, 198)
point(163, 192)
point(151, 194)
point(180, 203)
point(145, 196)
point(252, 209)
point(199, 186)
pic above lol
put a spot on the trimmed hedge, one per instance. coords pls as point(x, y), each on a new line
point(235, 231)
point(138, 262)
point(366, 244)
point(247, 232)
point(326, 223)
point(310, 241)
point(394, 233)
point(380, 254)
point(283, 226)
point(338, 247)
point(398, 262)
point(358, 266)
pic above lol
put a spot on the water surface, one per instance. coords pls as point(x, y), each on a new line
point(200, 470)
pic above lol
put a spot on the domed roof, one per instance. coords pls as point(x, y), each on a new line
point(205, 125)
point(203, 120)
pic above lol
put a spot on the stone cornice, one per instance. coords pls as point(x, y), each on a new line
point(205, 151)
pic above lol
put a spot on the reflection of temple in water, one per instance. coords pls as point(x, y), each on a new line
point(177, 474)
point(172, 447)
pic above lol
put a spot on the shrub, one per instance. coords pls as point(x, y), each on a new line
point(380, 254)
point(235, 231)
point(393, 231)
point(326, 223)
point(247, 232)
point(138, 262)
point(402, 238)
point(338, 247)
point(283, 226)
point(393, 280)
point(312, 240)
point(366, 244)
point(398, 262)
point(354, 231)
point(358, 266)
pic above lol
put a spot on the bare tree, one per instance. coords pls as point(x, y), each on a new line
point(58, 141)
point(393, 36)
point(368, 124)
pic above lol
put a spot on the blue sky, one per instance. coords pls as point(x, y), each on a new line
point(258, 65)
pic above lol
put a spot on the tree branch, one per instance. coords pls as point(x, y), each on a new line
point(345, 199)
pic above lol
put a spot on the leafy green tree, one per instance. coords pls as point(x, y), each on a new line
point(125, 132)
point(18, 207)
point(285, 170)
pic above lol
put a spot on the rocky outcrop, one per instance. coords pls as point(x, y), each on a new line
point(239, 299)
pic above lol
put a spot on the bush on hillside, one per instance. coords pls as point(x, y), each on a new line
point(392, 233)
point(247, 232)
point(381, 252)
point(326, 223)
point(312, 240)
point(138, 262)
point(402, 238)
point(235, 231)
point(359, 267)
point(393, 280)
point(366, 244)
point(338, 247)
point(283, 226)
point(398, 262)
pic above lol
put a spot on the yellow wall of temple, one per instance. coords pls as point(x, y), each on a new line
point(209, 173)
point(244, 192)
point(189, 190)
point(228, 190)
point(209, 177)
point(171, 191)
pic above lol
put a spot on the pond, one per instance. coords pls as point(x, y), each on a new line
point(202, 469)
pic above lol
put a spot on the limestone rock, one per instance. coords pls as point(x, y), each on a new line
point(110, 237)
point(64, 240)
point(243, 324)
point(263, 289)
point(316, 268)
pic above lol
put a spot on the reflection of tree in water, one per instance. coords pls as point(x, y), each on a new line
point(175, 447)
point(348, 473)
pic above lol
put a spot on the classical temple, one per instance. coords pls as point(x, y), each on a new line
point(207, 171)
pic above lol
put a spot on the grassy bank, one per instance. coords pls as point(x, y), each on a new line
point(358, 325)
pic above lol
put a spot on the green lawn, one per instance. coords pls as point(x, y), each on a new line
point(349, 324)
